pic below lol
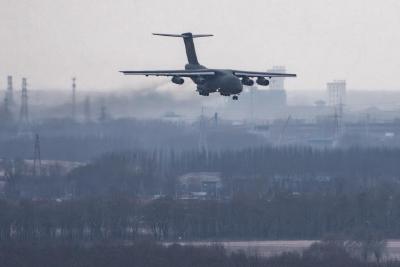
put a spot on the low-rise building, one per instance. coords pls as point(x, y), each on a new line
point(199, 185)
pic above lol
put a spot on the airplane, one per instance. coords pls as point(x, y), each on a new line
point(225, 81)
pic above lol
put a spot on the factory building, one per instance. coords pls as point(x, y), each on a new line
point(199, 185)
point(336, 92)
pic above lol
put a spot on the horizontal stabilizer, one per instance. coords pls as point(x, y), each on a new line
point(184, 35)
point(189, 45)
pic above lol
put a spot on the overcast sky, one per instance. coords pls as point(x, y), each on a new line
point(49, 41)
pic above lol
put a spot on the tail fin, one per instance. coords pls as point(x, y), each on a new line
point(189, 45)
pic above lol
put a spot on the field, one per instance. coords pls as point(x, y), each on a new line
point(275, 247)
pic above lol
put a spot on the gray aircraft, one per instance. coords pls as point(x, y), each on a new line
point(225, 81)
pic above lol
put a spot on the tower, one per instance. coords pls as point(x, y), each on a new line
point(6, 106)
point(73, 107)
point(37, 162)
point(336, 99)
point(5, 112)
point(9, 92)
point(24, 115)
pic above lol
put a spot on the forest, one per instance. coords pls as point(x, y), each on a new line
point(284, 216)
point(262, 170)
point(119, 200)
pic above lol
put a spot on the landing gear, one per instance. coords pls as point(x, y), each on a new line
point(235, 97)
point(204, 93)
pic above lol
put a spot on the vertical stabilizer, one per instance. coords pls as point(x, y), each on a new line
point(189, 45)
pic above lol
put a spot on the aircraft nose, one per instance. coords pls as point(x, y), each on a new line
point(233, 85)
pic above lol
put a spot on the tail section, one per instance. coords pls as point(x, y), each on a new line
point(189, 45)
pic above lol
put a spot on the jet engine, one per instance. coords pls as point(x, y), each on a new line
point(177, 80)
point(262, 81)
point(247, 81)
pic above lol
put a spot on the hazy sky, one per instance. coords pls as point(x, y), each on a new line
point(49, 41)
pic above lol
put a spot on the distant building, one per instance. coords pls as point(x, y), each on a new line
point(277, 83)
point(336, 92)
point(199, 185)
point(336, 100)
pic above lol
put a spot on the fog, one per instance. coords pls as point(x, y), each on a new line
point(102, 169)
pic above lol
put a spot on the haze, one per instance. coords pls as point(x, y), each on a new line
point(51, 41)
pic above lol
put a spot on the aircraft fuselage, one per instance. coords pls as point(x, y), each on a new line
point(224, 82)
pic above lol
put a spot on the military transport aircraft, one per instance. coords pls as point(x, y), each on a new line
point(225, 81)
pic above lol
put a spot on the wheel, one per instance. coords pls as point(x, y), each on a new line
point(235, 97)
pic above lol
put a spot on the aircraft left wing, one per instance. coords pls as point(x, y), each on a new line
point(180, 73)
point(252, 74)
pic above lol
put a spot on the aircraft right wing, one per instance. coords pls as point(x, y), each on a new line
point(180, 73)
point(241, 73)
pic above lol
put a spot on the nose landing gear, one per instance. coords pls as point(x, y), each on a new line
point(235, 97)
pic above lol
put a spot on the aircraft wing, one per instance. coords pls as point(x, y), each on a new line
point(241, 73)
point(180, 73)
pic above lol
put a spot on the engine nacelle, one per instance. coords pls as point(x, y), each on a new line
point(262, 81)
point(247, 81)
point(177, 80)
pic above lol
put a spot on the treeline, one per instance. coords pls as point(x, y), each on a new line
point(284, 216)
point(260, 170)
point(145, 254)
point(267, 193)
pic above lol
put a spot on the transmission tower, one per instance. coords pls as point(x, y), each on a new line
point(24, 115)
point(37, 162)
point(5, 112)
point(73, 111)
point(10, 93)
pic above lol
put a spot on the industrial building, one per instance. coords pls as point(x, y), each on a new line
point(199, 185)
